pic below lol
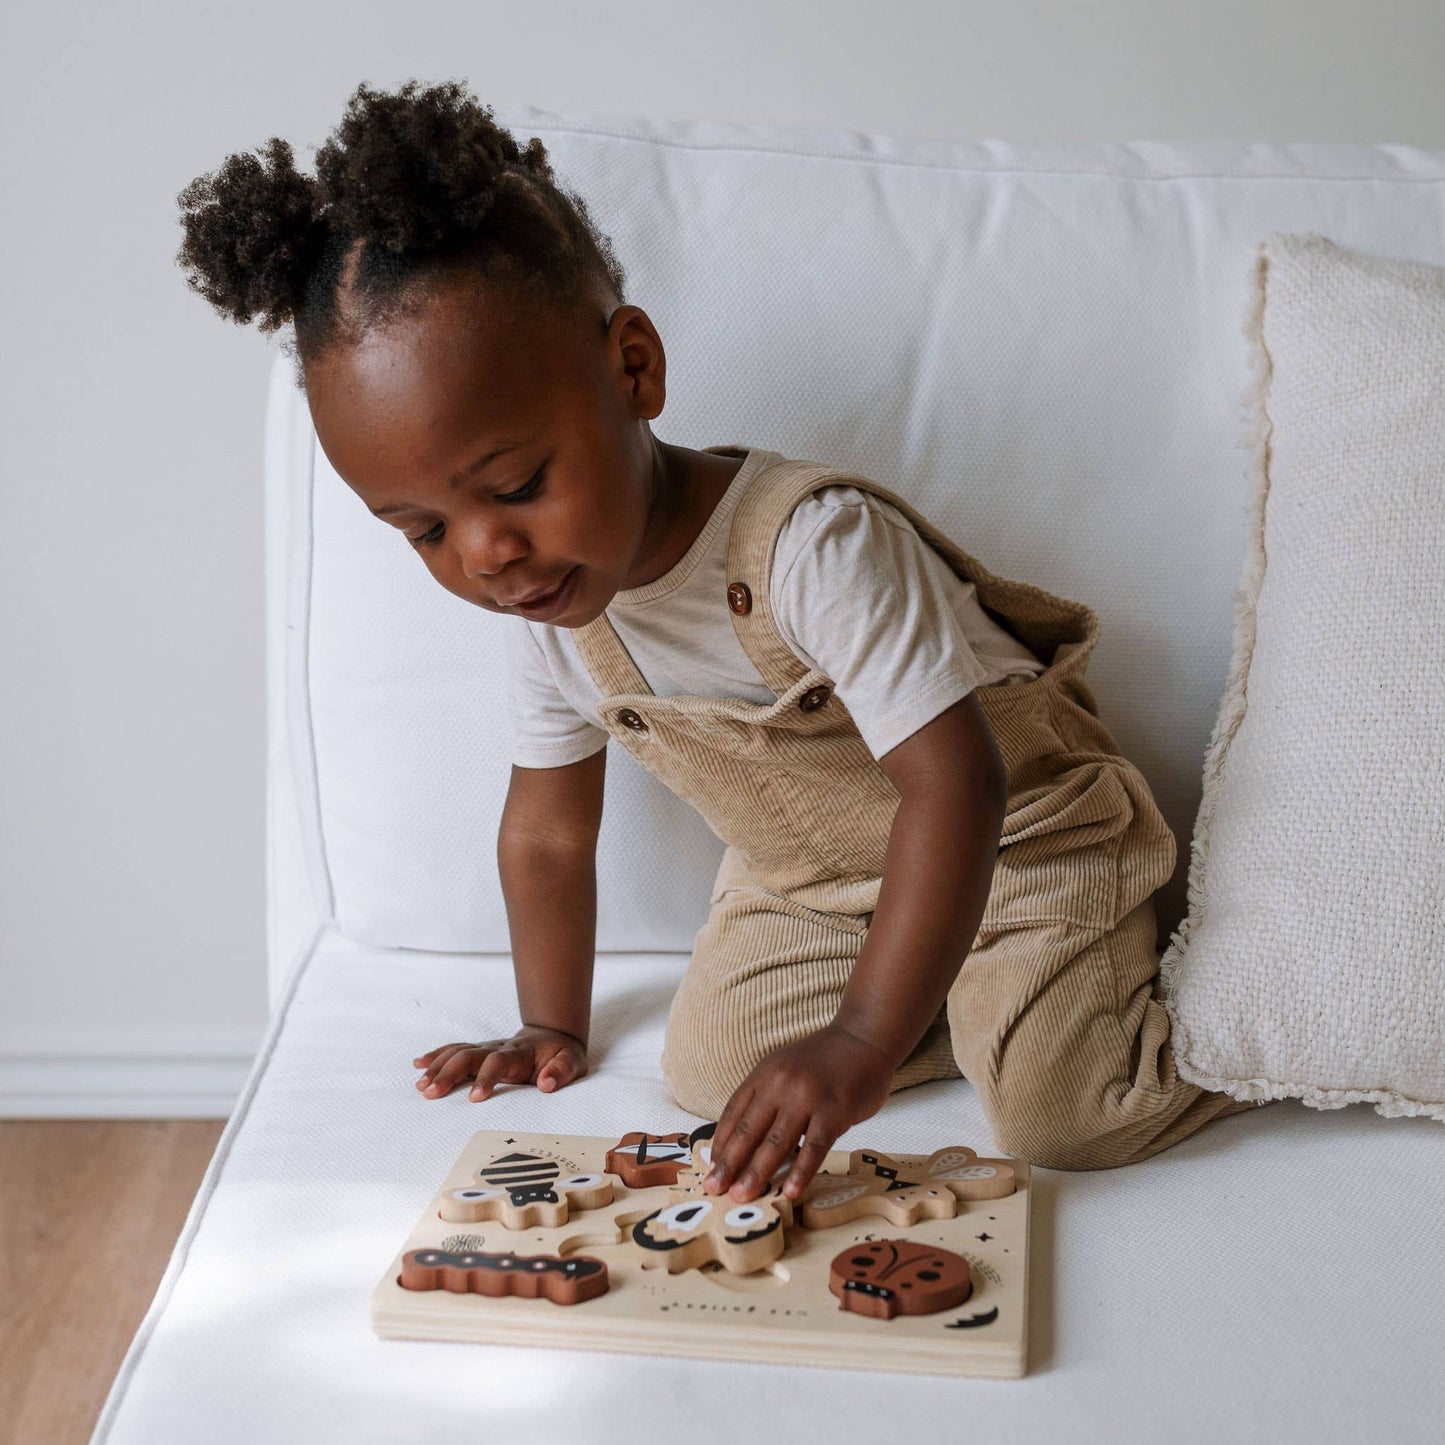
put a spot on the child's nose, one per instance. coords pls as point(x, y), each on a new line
point(487, 545)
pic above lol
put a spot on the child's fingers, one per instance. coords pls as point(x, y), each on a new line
point(502, 1066)
point(759, 1134)
point(455, 1069)
point(440, 1058)
point(817, 1140)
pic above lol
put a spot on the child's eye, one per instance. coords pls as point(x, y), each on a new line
point(522, 494)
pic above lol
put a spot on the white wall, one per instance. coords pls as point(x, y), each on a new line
point(132, 911)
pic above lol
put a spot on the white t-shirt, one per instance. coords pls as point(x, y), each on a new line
point(855, 590)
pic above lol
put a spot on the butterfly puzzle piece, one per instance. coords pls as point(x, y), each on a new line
point(886, 1277)
point(697, 1228)
point(525, 1191)
point(466, 1271)
point(878, 1184)
point(689, 1180)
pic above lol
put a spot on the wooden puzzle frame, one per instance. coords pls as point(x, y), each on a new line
point(785, 1314)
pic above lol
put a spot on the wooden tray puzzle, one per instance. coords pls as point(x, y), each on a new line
point(656, 1267)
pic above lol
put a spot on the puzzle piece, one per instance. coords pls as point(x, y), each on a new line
point(877, 1184)
point(524, 1191)
point(689, 1180)
point(643, 1160)
point(563, 1281)
point(699, 1229)
point(887, 1277)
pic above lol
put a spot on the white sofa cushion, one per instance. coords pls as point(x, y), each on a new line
point(1037, 344)
point(1312, 960)
point(1276, 1277)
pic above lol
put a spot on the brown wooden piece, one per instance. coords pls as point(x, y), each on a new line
point(533, 1276)
point(642, 1160)
point(883, 1278)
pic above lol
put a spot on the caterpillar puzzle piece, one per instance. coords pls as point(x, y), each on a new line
point(877, 1184)
point(524, 1191)
point(642, 1160)
point(563, 1281)
point(886, 1277)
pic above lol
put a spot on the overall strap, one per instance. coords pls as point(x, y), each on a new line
point(606, 658)
point(756, 524)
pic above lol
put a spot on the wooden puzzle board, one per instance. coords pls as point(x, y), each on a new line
point(784, 1314)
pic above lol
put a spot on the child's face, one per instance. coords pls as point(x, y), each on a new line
point(575, 501)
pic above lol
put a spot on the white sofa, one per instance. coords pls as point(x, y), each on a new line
point(1042, 345)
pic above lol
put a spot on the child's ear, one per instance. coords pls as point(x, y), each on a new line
point(641, 360)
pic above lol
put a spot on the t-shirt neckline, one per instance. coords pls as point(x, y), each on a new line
point(684, 567)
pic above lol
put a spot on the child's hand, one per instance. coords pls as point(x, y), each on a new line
point(533, 1055)
point(818, 1087)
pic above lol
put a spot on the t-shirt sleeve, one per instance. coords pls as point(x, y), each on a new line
point(858, 593)
point(546, 730)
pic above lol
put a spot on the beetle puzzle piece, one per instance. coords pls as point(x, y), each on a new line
point(563, 1281)
point(525, 1190)
point(878, 1184)
point(882, 1278)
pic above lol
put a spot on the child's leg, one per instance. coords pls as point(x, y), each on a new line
point(1055, 1014)
point(765, 972)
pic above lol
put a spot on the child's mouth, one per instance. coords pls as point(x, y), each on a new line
point(545, 608)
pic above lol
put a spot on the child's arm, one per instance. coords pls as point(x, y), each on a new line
point(936, 878)
point(547, 858)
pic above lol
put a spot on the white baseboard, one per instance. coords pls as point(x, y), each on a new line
point(187, 1074)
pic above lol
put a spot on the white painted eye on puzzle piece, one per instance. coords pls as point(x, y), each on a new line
point(474, 1196)
point(745, 1216)
point(686, 1216)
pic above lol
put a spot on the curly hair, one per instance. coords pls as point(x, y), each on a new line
point(427, 181)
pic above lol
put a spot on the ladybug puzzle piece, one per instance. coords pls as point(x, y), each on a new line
point(563, 1281)
point(878, 1184)
point(887, 1277)
point(524, 1191)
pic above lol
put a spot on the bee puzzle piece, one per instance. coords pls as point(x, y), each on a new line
point(699, 1229)
point(563, 1281)
point(877, 1184)
point(524, 1191)
point(642, 1160)
point(887, 1277)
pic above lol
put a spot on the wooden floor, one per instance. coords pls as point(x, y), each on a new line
point(89, 1213)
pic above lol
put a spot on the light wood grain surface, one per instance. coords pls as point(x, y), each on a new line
point(89, 1213)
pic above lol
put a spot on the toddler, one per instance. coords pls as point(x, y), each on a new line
point(937, 862)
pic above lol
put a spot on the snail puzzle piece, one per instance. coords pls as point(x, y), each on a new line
point(535, 1276)
point(886, 1277)
point(878, 1184)
point(523, 1191)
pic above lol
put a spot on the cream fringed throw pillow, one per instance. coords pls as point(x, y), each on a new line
point(1311, 962)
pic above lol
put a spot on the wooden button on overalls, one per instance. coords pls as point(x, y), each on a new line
point(739, 598)
point(814, 698)
point(633, 720)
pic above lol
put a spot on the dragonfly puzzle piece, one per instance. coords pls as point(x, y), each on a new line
point(878, 1184)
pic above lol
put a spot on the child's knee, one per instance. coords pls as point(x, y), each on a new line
point(704, 1053)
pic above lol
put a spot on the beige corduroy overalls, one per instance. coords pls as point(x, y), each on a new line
point(1054, 1016)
